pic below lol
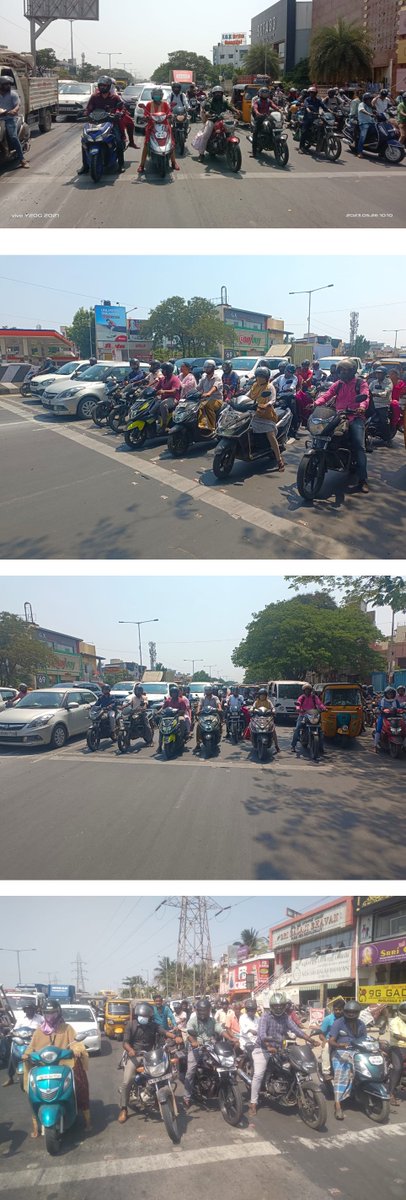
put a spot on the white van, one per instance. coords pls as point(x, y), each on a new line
point(284, 694)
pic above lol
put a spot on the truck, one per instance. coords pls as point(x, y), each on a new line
point(38, 93)
point(64, 992)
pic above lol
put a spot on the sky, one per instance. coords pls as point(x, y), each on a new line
point(117, 937)
point(31, 296)
point(204, 617)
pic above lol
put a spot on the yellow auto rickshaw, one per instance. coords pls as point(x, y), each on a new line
point(116, 1014)
point(237, 97)
point(344, 716)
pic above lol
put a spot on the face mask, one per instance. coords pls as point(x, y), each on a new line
point(142, 1020)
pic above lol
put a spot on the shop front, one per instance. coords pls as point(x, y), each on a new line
point(314, 953)
point(382, 948)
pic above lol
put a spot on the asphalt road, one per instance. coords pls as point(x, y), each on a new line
point(275, 1155)
point(69, 490)
point(74, 814)
point(312, 194)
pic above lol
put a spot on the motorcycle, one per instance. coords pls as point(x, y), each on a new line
point(185, 430)
point(310, 731)
point(262, 729)
point(130, 727)
point(292, 1080)
point(321, 134)
point(101, 152)
point(180, 125)
point(143, 423)
point(237, 439)
point(330, 451)
point(235, 725)
point(223, 142)
point(20, 1039)
point(381, 140)
point(373, 429)
point(370, 1088)
point(100, 727)
point(8, 156)
point(393, 732)
point(160, 144)
point(194, 108)
point(123, 398)
point(172, 733)
point(209, 725)
point(272, 137)
point(153, 1089)
point(51, 1092)
point(216, 1079)
point(103, 408)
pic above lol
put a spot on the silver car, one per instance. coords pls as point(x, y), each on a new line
point(40, 383)
point(83, 1020)
point(47, 717)
point(81, 395)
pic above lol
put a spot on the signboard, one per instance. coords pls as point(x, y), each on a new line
point(111, 331)
point(233, 39)
point(62, 10)
point(250, 341)
point(391, 950)
point(323, 969)
point(324, 922)
point(384, 993)
point(365, 928)
point(245, 320)
point(182, 77)
point(316, 1016)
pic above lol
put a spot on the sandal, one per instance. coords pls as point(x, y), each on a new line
point(281, 465)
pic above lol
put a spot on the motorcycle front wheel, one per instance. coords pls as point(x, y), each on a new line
point(282, 153)
point(230, 1103)
point(99, 413)
point(376, 1109)
point(223, 462)
point(177, 443)
point(262, 751)
point(395, 750)
point(310, 476)
point(93, 739)
point(234, 157)
point(313, 1109)
point(181, 143)
point(171, 1123)
point(170, 750)
point(333, 147)
point(314, 749)
point(53, 1141)
point(161, 163)
point(96, 167)
point(115, 421)
point(393, 154)
point(123, 742)
point(134, 438)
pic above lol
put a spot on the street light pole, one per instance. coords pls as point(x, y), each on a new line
point(395, 331)
point(110, 54)
point(149, 621)
point(18, 950)
point(309, 292)
point(193, 661)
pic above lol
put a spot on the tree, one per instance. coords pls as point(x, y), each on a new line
point(133, 985)
point(47, 59)
point(340, 53)
point(82, 332)
point(292, 639)
point(255, 944)
point(299, 76)
point(22, 654)
point(262, 60)
point(191, 328)
point(202, 675)
point(377, 590)
point(165, 974)
point(186, 60)
point(361, 345)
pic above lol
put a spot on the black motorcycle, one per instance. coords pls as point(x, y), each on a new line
point(381, 139)
point(123, 398)
point(322, 135)
point(292, 1080)
point(271, 137)
point(216, 1079)
point(143, 423)
point(185, 430)
point(194, 109)
point(237, 439)
point(131, 728)
point(100, 727)
point(209, 725)
point(330, 451)
point(180, 126)
point(153, 1089)
point(262, 731)
point(310, 733)
point(235, 725)
point(102, 409)
point(172, 732)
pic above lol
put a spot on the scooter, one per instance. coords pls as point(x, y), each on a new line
point(237, 439)
point(160, 144)
point(143, 423)
point(262, 729)
point(20, 1040)
point(393, 732)
point(371, 1078)
point(101, 151)
point(373, 428)
point(381, 140)
point(209, 725)
point(51, 1093)
point(172, 733)
point(7, 156)
point(185, 429)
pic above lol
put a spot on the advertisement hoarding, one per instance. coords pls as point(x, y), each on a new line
point(324, 922)
point(62, 10)
point(383, 993)
point(111, 331)
point(233, 39)
point(323, 969)
point(390, 950)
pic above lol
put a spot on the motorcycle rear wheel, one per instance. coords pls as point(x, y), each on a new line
point(53, 1141)
point(223, 462)
point(96, 167)
point(99, 413)
point(230, 1103)
point(394, 750)
point(134, 438)
point(393, 154)
point(234, 157)
point(171, 1122)
point(315, 1113)
point(310, 477)
point(208, 749)
point(116, 421)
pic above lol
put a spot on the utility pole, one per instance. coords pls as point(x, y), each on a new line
point(79, 966)
point(194, 942)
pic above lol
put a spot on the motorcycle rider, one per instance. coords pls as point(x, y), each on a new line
point(27, 1018)
point(263, 701)
point(212, 110)
point(306, 702)
point(311, 106)
point(168, 393)
point(261, 107)
point(137, 702)
point(273, 1027)
point(365, 118)
point(380, 390)
point(9, 110)
point(381, 102)
point(391, 701)
point(107, 99)
point(201, 1028)
point(337, 1009)
point(140, 1035)
point(264, 419)
point(55, 1030)
point(401, 694)
point(157, 105)
point(231, 382)
point(22, 691)
point(209, 700)
point(104, 703)
point(401, 118)
point(347, 1029)
point(137, 373)
point(286, 386)
point(351, 393)
point(163, 1015)
point(249, 1021)
point(188, 381)
point(318, 374)
point(211, 391)
point(155, 376)
point(180, 704)
point(234, 704)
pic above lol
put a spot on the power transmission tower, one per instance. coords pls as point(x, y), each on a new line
point(152, 655)
point(194, 943)
point(79, 966)
point(354, 327)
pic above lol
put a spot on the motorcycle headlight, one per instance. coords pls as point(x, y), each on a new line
point(160, 1069)
point(317, 424)
point(363, 1069)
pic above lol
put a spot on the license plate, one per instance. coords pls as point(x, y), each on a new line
point(376, 1059)
point(171, 738)
point(7, 733)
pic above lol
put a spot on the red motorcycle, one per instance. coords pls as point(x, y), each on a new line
point(393, 732)
point(223, 141)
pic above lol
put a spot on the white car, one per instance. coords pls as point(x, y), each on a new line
point(245, 367)
point(78, 397)
point(73, 97)
point(327, 363)
point(83, 1020)
point(70, 370)
point(144, 98)
point(47, 717)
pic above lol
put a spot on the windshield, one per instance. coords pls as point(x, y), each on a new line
point(243, 364)
point(342, 696)
point(78, 1013)
point(68, 368)
point(119, 1010)
point(41, 700)
point(75, 89)
point(98, 372)
point(289, 691)
point(155, 689)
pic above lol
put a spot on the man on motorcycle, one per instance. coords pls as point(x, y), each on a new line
point(307, 701)
point(138, 705)
point(201, 1028)
point(272, 1030)
point(163, 1015)
point(107, 99)
point(178, 98)
point(263, 701)
point(137, 374)
point(156, 106)
point(234, 704)
point(155, 375)
point(264, 418)
point(261, 107)
point(140, 1036)
point(249, 1021)
point(9, 110)
point(181, 705)
point(104, 702)
point(231, 382)
point(211, 392)
point(380, 391)
point(209, 700)
point(22, 691)
point(381, 102)
point(347, 1029)
point(27, 1018)
point(311, 107)
point(212, 110)
point(168, 393)
point(286, 386)
point(389, 701)
point(365, 118)
point(351, 393)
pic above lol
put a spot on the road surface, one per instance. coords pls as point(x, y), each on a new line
point(311, 194)
point(74, 814)
point(69, 490)
point(276, 1155)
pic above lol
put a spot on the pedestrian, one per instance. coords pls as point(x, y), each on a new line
point(9, 109)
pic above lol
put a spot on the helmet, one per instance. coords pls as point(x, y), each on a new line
point(227, 367)
point(167, 368)
point(262, 373)
point(331, 92)
point(209, 365)
point(208, 688)
point(402, 1008)
point(349, 364)
point(157, 95)
point(262, 691)
point(384, 92)
point(312, 91)
point(390, 692)
point(155, 363)
point(352, 1008)
point(278, 1003)
point(250, 1006)
point(306, 362)
point(144, 1013)
point(23, 687)
point(106, 687)
point(203, 1008)
point(51, 1006)
point(401, 689)
point(174, 690)
point(306, 684)
point(104, 84)
point(134, 362)
point(6, 81)
point(289, 369)
point(176, 88)
point(92, 361)
point(217, 90)
point(138, 689)
point(281, 365)
point(264, 91)
point(367, 98)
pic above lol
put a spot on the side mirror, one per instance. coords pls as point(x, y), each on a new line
point(72, 705)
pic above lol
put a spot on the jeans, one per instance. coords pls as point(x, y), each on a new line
point(193, 1058)
point(260, 1059)
point(258, 121)
point(382, 419)
point(306, 126)
point(357, 442)
point(296, 733)
point(14, 141)
point(363, 130)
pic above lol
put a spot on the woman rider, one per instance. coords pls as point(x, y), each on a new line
point(55, 1032)
point(157, 105)
point(265, 418)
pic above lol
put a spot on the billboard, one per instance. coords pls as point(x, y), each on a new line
point(233, 39)
point(383, 993)
point(327, 921)
point(324, 969)
point(111, 331)
point(62, 10)
point(388, 950)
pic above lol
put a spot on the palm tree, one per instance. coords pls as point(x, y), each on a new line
point(262, 60)
point(254, 943)
point(340, 53)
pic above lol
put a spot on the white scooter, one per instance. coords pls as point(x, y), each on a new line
point(160, 144)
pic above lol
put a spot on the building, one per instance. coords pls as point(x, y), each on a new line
point(315, 953)
point(241, 975)
point(33, 345)
point(74, 659)
point(140, 344)
point(381, 968)
point(231, 52)
point(254, 332)
point(386, 25)
point(399, 73)
point(286, 28)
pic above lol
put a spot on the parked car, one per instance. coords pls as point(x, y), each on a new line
point(46, 717)
point(73, 97)
point(130, 96)
point(83, 1019)
point(80, 396)
point(70, 370)
point(143, 99)
point(197, 364)
point(95, 688)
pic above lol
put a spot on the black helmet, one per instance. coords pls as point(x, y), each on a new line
point(144, 1013)
point(176, 88)
point(331, 92)
point(227, 366)
point(104, 84)
point(262, 373)
point(250, 1006)
point(367, 98)
point(167, 368)
point(384, 92)
point(264, 91)
point(6, 81)
point(352, 1008)
point(51, 1006)
point(174, 690)
point(106, 687)
point(278, 1003)
point(262, 691)
point(203, 1008)
point(138, 689)
point(134, 362)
